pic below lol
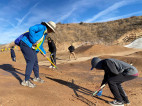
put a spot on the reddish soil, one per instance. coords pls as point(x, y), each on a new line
point(72, 84)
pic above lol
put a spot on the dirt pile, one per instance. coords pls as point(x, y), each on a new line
point(103, 50)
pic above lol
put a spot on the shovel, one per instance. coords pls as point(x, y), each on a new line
point(99, 89)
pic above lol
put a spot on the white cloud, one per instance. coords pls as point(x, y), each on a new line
point(120, 17)
point(9, 34)
point(26, 15)
point(108, 10)
point(4, 20)
point(75, 8)
point(66, 15)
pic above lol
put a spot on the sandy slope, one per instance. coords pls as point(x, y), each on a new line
point(72, 84)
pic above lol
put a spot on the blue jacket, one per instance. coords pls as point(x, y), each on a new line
point(34, 34)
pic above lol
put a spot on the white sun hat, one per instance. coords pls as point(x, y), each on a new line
point(52, 25)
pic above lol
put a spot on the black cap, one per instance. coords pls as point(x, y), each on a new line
point(96, 63)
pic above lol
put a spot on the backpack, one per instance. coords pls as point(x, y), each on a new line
point(17, 41)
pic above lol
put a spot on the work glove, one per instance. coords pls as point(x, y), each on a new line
point(100, 93)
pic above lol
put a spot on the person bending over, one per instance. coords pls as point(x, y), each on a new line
point(116, 72)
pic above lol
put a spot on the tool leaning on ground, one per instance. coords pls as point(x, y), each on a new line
point(47, 58)
point(99, 91)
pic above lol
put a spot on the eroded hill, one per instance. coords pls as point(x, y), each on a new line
point(122, 31)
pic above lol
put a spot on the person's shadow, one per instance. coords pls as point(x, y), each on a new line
point(9, 68)
point(73, 86)
point(77, 88)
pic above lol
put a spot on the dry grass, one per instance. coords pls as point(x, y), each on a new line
point(96, 33)
point(106, 32)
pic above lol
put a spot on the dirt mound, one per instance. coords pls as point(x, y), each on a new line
point(102, 50)
point(83, 48)
point(136, 54)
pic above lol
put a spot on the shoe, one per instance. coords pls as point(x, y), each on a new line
point(38, 80)
point(28, 83)
point(50, 66)
point(53, 67)
point(116, 103)
point(126, 102)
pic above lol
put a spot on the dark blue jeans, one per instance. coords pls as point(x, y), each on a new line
point(30, 56)
point(116, 88)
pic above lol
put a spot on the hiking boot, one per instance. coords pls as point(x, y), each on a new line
point(38, 80)
point(28, 83)
point(116, 103)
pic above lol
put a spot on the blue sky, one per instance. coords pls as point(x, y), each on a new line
point(16, 16)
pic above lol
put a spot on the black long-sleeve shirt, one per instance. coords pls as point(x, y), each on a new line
point(52, 46)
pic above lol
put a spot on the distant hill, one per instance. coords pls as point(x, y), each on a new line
point(104, 33)
point(120, 32)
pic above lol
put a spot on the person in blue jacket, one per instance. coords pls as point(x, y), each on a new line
point(28, 44)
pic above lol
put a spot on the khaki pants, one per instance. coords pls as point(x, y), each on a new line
point(72, 53)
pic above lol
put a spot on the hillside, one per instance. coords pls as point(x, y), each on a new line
point(106, 32)
point(122, 31)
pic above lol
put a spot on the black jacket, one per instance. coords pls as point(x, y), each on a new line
point(52, 46)
point(114, 67)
